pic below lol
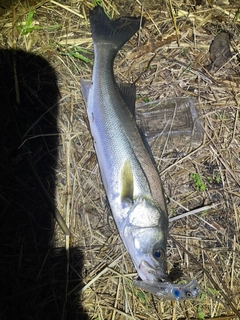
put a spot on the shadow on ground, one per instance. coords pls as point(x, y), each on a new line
point(36, 280)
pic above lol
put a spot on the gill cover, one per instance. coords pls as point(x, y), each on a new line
point(144, 238)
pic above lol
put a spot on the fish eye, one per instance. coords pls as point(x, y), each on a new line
point(189, 294)
point(159, 254)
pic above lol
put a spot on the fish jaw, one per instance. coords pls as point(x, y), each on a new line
point(144, 235)
point(153, 274)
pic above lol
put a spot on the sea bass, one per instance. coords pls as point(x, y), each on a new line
point(132, 184)
point(129, 175)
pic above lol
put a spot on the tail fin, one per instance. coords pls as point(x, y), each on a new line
point(117, 31)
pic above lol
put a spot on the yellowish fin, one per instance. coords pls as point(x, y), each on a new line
point(127, 182)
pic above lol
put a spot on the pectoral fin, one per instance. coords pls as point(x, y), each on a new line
point(127, 182)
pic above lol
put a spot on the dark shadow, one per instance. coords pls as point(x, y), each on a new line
point(176, 272)
point(37, 281)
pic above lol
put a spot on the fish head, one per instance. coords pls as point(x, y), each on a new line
point(145, 236)
point(150, 254)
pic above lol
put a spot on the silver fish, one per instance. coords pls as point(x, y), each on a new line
point(129, 175)
point(132, 184)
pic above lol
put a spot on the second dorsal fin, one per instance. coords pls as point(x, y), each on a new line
point(128, 92)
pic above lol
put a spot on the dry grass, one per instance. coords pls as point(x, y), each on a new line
point(167, 59)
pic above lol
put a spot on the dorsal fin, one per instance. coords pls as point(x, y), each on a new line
point(128, 92)
point(144, 139)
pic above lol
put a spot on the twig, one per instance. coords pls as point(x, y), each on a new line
point(67, 8)
point(185, 214)
point(174, 21)
point(220, 157)
point(101, 273)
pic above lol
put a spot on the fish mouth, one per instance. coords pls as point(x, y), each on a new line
point(150, 273)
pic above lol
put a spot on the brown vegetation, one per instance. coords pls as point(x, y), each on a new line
point(168, 58)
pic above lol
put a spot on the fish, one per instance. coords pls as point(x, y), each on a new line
point(132, 184)
point(129, 175)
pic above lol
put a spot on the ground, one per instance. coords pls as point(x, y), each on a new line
point(185, 49)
